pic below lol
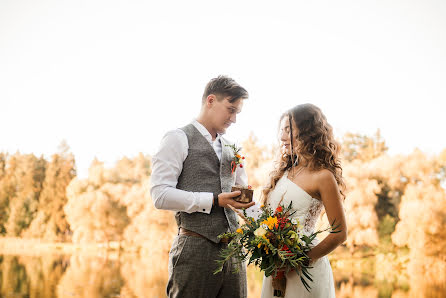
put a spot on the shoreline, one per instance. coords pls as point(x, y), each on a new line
point(36, 247)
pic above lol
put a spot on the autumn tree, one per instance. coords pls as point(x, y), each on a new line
point(26, 174)
point(363, 147)
point(441, 163)
point(6, 190)
point(259, 163)
point(95, 215)
point(101, 207)
point(422, 216)
point(3, 157)
point(362, 220)
point(50, 222)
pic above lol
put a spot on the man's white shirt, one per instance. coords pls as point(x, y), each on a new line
point(167, 165)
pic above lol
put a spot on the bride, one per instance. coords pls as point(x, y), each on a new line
point(310, 175)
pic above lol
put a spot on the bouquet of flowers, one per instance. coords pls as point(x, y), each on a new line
point(275, 243)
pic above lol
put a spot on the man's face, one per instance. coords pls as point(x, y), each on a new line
point(225, 113)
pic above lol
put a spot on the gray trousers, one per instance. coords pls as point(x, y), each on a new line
point(191, 271)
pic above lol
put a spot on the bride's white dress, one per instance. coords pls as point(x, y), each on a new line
point(307, 212)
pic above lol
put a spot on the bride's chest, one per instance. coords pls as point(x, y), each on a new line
point(286, 192)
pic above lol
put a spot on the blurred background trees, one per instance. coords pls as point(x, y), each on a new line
point(393, 202)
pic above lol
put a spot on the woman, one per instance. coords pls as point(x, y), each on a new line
point(310, 175)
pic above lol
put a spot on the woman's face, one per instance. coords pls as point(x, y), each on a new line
point(284, 134)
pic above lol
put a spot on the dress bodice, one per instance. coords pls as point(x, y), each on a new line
point(306, 208)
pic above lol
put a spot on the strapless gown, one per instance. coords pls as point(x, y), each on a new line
point(308, 210)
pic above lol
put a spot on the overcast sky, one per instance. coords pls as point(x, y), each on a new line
point(111, 77)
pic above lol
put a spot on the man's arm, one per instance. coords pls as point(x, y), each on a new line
point(167, 165)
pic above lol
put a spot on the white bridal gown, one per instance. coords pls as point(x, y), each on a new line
point(307, 212)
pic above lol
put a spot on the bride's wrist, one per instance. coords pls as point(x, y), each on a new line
point(311, 259)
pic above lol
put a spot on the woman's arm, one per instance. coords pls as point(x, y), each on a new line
point(331, 198)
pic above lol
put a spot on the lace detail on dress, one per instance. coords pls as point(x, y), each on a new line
point(312, 214)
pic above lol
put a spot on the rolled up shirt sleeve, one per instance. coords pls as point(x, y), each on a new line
point(167, 165)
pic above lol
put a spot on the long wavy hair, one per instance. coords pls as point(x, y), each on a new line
point(315, 146)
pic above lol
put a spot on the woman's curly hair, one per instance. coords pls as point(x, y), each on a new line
point(316, 146)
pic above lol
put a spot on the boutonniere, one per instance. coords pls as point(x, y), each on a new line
point(237, 158)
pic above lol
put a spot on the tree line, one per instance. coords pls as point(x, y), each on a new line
point(393, 201)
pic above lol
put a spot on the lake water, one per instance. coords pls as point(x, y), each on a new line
point(50, 275)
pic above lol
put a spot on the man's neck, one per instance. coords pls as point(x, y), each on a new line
point(213, 132)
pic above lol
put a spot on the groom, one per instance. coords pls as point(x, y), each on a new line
point(192, 175)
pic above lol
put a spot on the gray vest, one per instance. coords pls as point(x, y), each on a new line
point(203, 172)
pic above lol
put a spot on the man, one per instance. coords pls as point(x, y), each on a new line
point(192, 175)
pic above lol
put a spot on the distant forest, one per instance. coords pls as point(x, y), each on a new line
point(393, 202)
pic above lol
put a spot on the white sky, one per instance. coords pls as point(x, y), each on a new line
point(111, 77)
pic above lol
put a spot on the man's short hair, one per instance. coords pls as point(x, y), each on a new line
point(224, 86)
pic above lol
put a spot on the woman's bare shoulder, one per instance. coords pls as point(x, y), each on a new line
point(324, 176)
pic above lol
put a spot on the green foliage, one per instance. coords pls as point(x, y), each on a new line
point(386, 226)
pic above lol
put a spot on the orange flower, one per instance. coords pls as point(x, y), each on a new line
point(279, 209)
point(271, 222)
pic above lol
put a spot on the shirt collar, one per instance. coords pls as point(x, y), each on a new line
point(205, 132)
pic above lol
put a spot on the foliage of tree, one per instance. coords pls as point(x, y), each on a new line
point(50, 222)
point(363, 147)
point(258, 164)
point(362, 220)
point(23, 180)
point(396, 200)
point(101, 207)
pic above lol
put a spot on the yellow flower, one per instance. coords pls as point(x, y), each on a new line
point(260, 231)
point(259, 245)
point(240, 231)
point(270, 222)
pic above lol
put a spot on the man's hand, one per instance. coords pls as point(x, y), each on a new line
point(227, 198)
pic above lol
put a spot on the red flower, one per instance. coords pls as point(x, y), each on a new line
point(280, 274)
point(243, 157)
point(282, 221)
point(285, 247)
point(241, 165)
point(279, 209)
